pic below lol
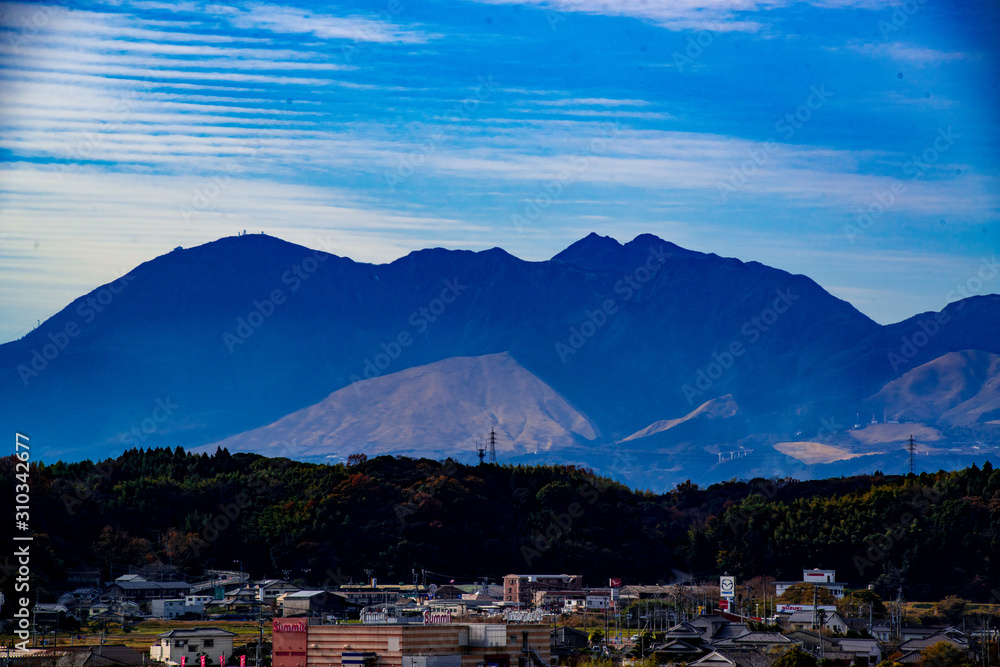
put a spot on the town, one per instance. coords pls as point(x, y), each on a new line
point(525, 620)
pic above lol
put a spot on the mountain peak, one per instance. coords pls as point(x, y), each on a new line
point(644, 242)
point(586, 250)
point(603, 252)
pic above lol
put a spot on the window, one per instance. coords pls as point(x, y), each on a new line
point(193, 648)
point(179, 642)
point(208, 643)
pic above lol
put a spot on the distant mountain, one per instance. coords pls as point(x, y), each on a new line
point(208, 343)
point(716, 408)
point(957, 389)
point(425, 410)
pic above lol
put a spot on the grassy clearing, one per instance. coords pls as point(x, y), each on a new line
point(143, 635)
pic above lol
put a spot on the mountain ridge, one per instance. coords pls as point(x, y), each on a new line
point(245, 330)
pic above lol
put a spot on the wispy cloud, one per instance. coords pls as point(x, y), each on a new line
point(714, 15)
point(291, 20)
point(902, 52)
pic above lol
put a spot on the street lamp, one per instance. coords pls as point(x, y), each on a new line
point(240, 562)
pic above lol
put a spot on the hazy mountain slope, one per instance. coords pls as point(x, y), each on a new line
point(435, 410)
point(716, 408)
point(958, 388)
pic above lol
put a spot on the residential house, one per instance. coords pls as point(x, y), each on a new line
point(49, 614)
point(810, 619)
point(198, 601)
point(140, 591)
point(677, 651)
point(724, 658)
point(107, 655)
point(715, 628)
point(867, 649)
point(919, 644)
point(268, 590)
point(767, 642)
point(813, 641)
point(881, 632)
point(925, 631)
point(167, 609)
point(191, 643)
point(98, 609)
point(632, 593)
point(686, 632)
point(728, 632)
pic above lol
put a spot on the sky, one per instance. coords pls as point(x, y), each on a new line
point(853, 141)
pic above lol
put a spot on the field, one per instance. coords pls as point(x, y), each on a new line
point(816, 452)
point(142, 635)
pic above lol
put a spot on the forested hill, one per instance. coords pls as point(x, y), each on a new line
point(934, 534)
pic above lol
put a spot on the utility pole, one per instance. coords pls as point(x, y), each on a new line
point(260, 636)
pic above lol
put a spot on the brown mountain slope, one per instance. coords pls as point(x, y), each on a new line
point(958, 388)
point(436, 410)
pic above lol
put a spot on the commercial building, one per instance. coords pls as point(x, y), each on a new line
point(429, 644)
point(825, 578)
point(521, 588)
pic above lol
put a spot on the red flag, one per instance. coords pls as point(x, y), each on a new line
point(202, 661)
point(183, 660)
point(222, 660)
point(243, 660)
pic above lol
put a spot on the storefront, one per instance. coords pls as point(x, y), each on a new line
point(433, 644)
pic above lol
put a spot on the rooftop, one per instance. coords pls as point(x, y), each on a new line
point(195, 632)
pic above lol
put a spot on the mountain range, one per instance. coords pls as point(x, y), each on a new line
point(642, 360)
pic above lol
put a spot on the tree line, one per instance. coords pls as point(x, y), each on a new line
point(932, 534)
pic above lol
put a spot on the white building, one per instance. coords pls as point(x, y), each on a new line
point(268, 590)
point(167, 609)
point(825, 578)
point(192, 643)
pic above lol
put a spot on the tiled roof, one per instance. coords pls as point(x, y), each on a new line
point(858, 645)
point(195, 632)
point(149, 585)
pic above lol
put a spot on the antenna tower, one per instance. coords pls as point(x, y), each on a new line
point(493, 446)
point(911, 446)
point(480, 450)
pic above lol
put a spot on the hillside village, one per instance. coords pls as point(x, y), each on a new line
point(528, 620)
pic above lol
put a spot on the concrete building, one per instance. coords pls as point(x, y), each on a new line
point(138, 591)
point(316, 603)
point(167, 609)
point(268, 590)
point(521, 588)
point(433, 644)
point(825, 578)
point(171, 646)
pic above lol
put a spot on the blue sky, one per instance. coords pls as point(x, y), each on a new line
point(853, 141)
